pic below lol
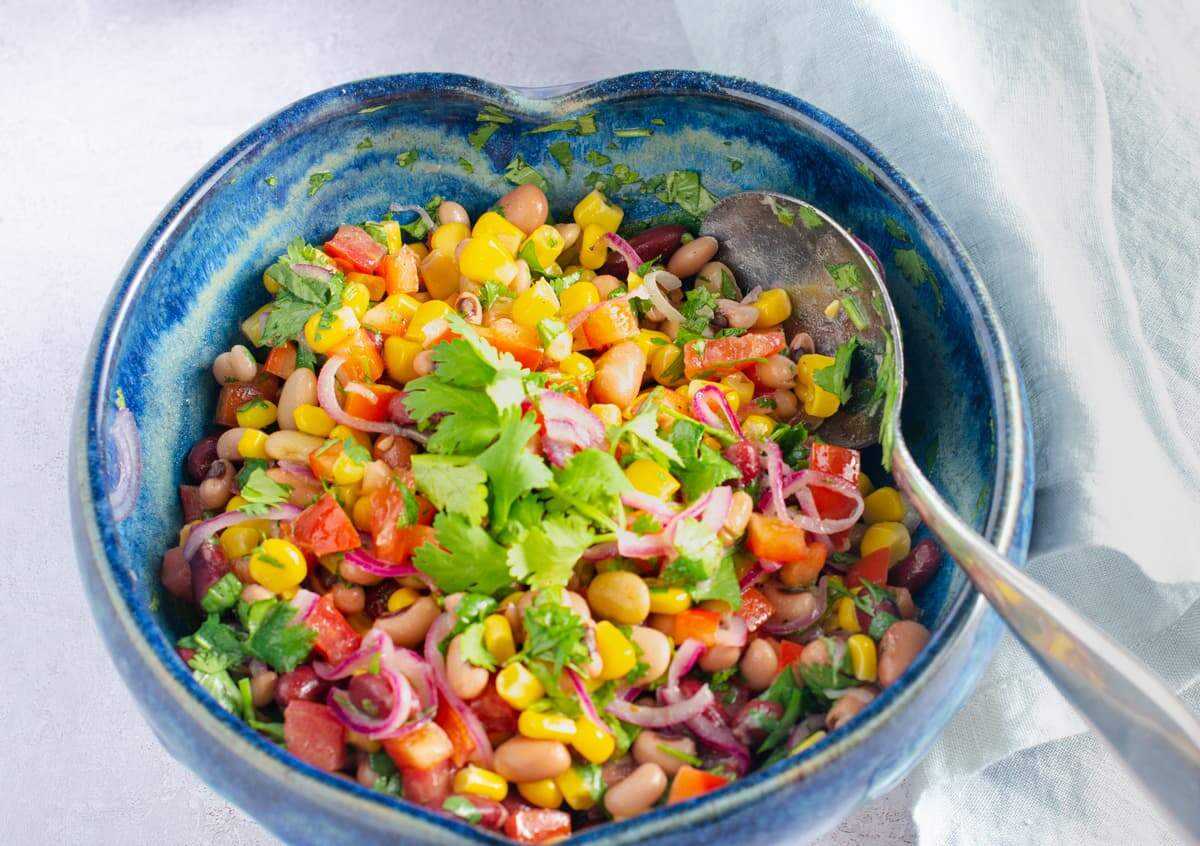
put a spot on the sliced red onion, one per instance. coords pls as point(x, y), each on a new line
point(686, 656)
point(656, 296)
point(774, 461)
point(312, 271)
point(839, 653)
point(761, 567)
point(633, 545)
point(295, 468)
point(871, 254)
point(650, 504)
point(127, 444)
point(808, 509)
point(801, 482)
point(376, 567)
point(398, 208)
point(420, 676)
point(303, 602)
point(821, 593)
point(862, 694)
point(585, 699)
point(375, 642)
point(600, 551)
point(630, 694)
point(712, 508)
point(702, 409)
point(632, 260)
point(361, 390)
point(711, 731)
point(437, 662)
point(732, 631)
point(649, 716)
point(569, 426)
point(205, 530)
point(327, 396)
point(376, 728)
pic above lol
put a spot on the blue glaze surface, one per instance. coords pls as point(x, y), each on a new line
point(196, 275)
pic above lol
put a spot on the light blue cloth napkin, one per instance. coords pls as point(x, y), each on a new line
point(1061, 141)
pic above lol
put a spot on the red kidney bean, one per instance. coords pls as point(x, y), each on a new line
point(176, 574)
point(377, 598)
point(201, 457)
point(209, 566)
point(191, 502)
point(428, 787)
point(300, 683)
point(751, 723)
point(918, 568)
point(744, 456)
point(370, 694)
point(661, 242)
point(395, 451)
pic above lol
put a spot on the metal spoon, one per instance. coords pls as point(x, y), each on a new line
point(775, 241)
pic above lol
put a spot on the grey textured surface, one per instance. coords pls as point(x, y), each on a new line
point(108, 108)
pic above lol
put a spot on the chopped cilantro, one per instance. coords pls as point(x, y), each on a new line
point(406, 159)
point(845, 276)
point(583, 125)
point(512, 470)
point(482, 134)
point(223, 595)
point(277, 643)
point(261, 493)
point(698, 309)
point(625, 174)
point(636, 132)
point(453, 483)
point(466, 165)
point(473, 649)
point(784, 215)
point(305, 360)
point(561, 152)
point(518, 172)
point(684, 189)
point(317, 181)
point(642, 431)
point(854, 312)
point(271, 181)
point(465, 557)
point(646, 524)
point(554, 633)
point(894, 229)
point(546, 555)
point(865, 171)
point(658, 121)
point(680, 755)
point(809, 218)
point(463, 808)
point(596, 159)
point(734, 164)
point(917, 272)
point(835, 377)
point(702, 467)
point(492, 291)
point(793, 443)
point(591, 482)
point(248, 468)
point(365, 144)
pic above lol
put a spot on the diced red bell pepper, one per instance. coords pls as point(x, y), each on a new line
point(697, 623)
point(281, 361)
point(428, 787)
point(719, 356)
point(336, 638)
point(363, 360)
point(756, 608)
point(324, 527)
point(776, 539)
point(359, 406)
point(400, 272)
point(537, 825)
point(690, 782)
point(312, 734)
point(456, 730)
point(236, 394)
point(789, 653)
point(421, 749)
point(353, 244)
point(873, 567)
point(612, 322)
point(519, 341)
point(395, 542)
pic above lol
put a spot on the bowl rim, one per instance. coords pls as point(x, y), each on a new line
point(95, 530)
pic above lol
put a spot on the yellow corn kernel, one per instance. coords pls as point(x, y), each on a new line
point(278, 565)
point(536, 304)
point(252, 444)
point(665, 599)
point(270, 284)
point(773, 308)
point(238, 541)
point(543, 793)
point(593, 246)
point(577, 297)
point(818, 402)
point(861, 650)
point(807, 742)
point(865, 485)
point(596, 210)
point(357, 298)
point(252, 326)
point(391, 231)
point(346, 471)
point(425, 314)
point(887, 535)
point(758, 427)
point(518, 687)
point(476, 780)
point(447, 236)
point(546, 725)
point(360, 514)
point(340, 433)
point(609, 414)
point(831, 310)
point(732, 395)
point(617, 654)
point(594, 742)
point(439, 272)
point(483, 259)
point(401, 598)
point(420, 249)
point(650, 340)
point(651, 478)
point(846, 614)
point(577, 366)
point(542, 247)
point(257, 414)
point(312, 420)
point(512, 599)
point(741, 383)
point(585, 275)
point(575, 790)
point(883, 506)
point(493, 225)
point(325, 330)
point(398, 357)
point(498, 637)
point(666, 364)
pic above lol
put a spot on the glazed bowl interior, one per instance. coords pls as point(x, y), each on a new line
point(198, 275)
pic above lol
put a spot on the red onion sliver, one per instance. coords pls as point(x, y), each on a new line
point(650, 504)
point(711, 731)
point(649, 716)
point(633, 545)
point(361, 390)
point(376, 567)
point(437, 662)
point(569, 427)
point(375, 642)
point(397, 208)
point(375, 728)
point(327, 396)
point(600, 551)
point(804, 728)
point(585, 699)
point(420, 676)
point(295, 468)
point(686, 656)
point(821, 592)
point(632, 260)
point(800, 485)
point(303, 602)
point(702, 409)
point(126, 443)
point(658, 298)
point(206, 529)
point(732, 631)
point(312, 271)
point(774, 457)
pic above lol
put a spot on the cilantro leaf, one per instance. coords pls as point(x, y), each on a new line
point(222, 595)
point(492, 291)
point(277, 643)
point(217, 646)
point(894, 229)
point(723, 585)
point(646, 524)
point(365, 144)
point(585, 124)
point(248, 468)
point(407, 158)
point(470, 421)
point(463, 808)
point(845, 276)
point(834, 377)
point(466, 165)
point(554, 633)
point(793, 442)
point(482, 134)
point(473, 649)
point(469, 560)
point(452, 483)
point(699, 553)
point(643, 429)
point(261, 492)
point(683, 188)
point(511, 468)
point(471, 608)
point(222, 688)
point(518, 172)
point(597, 159)
point(702, 468)
point(561, 151)
point(917, 272)
point(594, 477)
point(699, 307)
point(547, 554)
point(316, 181)
point(810, 218)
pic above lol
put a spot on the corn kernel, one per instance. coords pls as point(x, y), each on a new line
point(312, 420)
point(239, 541)
point(257, 414)
point(325, 330)
point(593, 246)
point(447, 236)
point(358, 741)
point(883, 506)
point(595, 209)
point(577, 366)
point(425, 314)
point(846, 614)
point(518, 687)
point(665, 599)
point(543, 793)
point(577, 297)
point(818, 402)
point(865, 486)
point(861, 650)
point(651, 478)
point(498, 637)
point(439, 272)
point(648, 340)
point(484, 259)
point(813, 738)
point(617, 654)
point(594, 742)
point(401, 598)
point(609, 414)
point(537, 303)
point(252, 326)
point(512, 599)
point(252, 444)
point(575, 790)
point(741, 383)
point(398, 357)
point(888, 535)
point(270, 284)
point(546, 725)
point(278, 565)
point(758, 427)
point(773, 308)
point(477, 781)
point(340, 433)
point(360, 514)
point(494, 225)
point(357, 298)
point(666, 364)
point(346, 471)
point(542, 247)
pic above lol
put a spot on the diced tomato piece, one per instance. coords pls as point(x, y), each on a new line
point(498, 717)
point(697, 623)
point(456, 730)
point(376, 285)
point(806, 571)
point(835, 460)
point(394, 542)
point(719, 356)
point(236, 394)
point(400, 272)
point(519, 341)
point(537, 825)
point(756, 608)
point(614, 321)
point(324, 528)
point(359, 406)
point(363, 360)
point(313, 735)
point(353, 244)
point(789, 653)
point(336, 639)
point(873, 567)
point(281, 361)
point(428, 787)
point(421, 749)
point(690, 782)
point(776, 539)
point(322, 459)
point(386, 319)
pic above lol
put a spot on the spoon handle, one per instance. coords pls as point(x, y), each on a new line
point(1143, 722)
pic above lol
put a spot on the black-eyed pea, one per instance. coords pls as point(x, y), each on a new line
point(692, 256)
point(451, 212)
point(408, 628)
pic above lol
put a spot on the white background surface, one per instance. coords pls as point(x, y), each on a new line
point(106, 109)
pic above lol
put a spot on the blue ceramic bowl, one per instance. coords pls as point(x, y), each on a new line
point(196, 274)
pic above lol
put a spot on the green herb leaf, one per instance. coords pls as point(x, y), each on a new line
point(271, 181)
point(582, 125)
point(642, 432)
point(317, 181)
point(547, 554)
point(468, 558)
point(511, 468)
point(365, 144)
point(597, 159)
point(810, 218)
point(834, 377)
point(481, 134)
point(261, 493)
point(917, 272)
point(554, 633)
point(734, 164)
point(453, 483)
point(278, 643)
point(702, 467)
point(223, 595)
point(518, 172)
point(592, 477)
point(407, 159)
point(491, 291)
point(463, 808)
point(646, 524)
point(793, 443)
point(248, 468)
point(683, 188)
point(636, 132)
point(473, 649)
point(561, 151)
point(894, 229)
point(466, 165)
